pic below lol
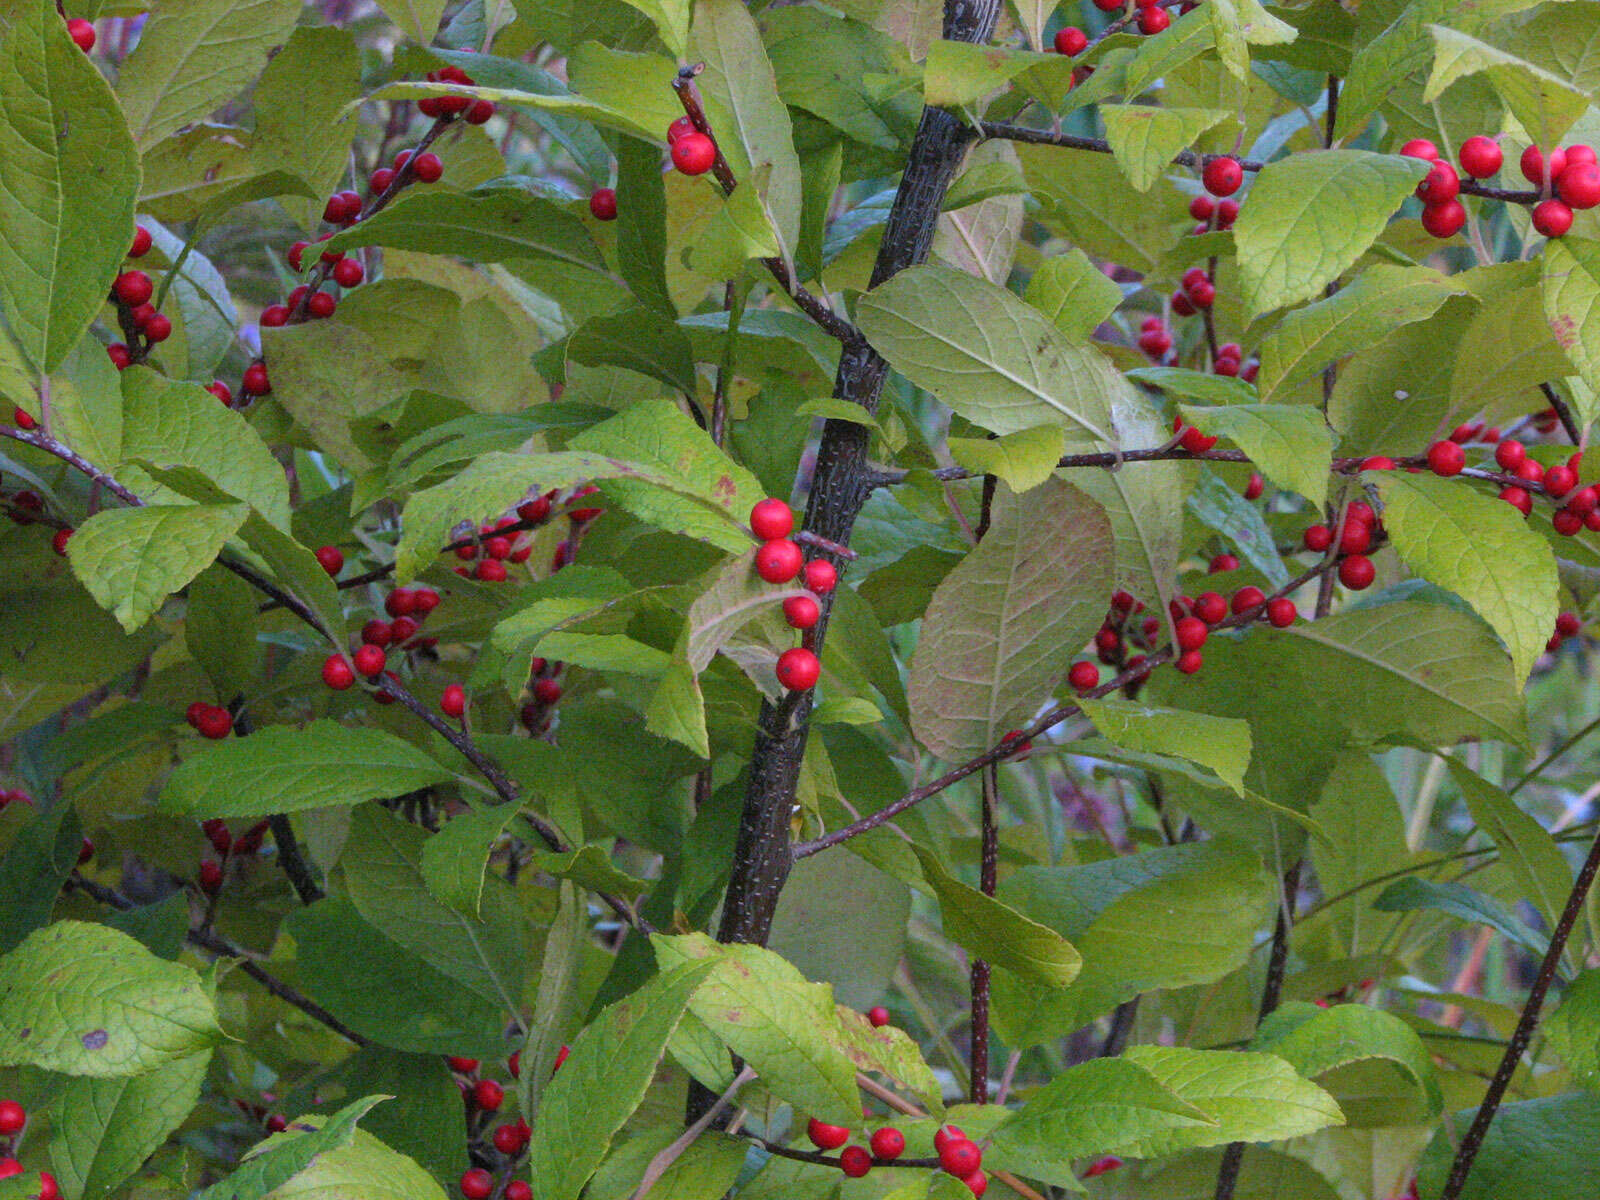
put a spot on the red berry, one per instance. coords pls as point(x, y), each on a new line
point(221, 391)
point(428, 168)
point(331, 559)
point(491, 570)
point(508, 1139)
point(1227, 213)
point(1357, 572)
point(465, 1065)
point(401, 602)
point(210, 877)
point(1481, 157)
point(519, 1189)
point(603, 204)
point(682, 127)
point(819, 576)
point(977, 1183)
point(854, 1161)
point(82, 34)
point(1253, 489)
point(1247, 598)
point(877, 1016)
point(1580, 153)
point(887, 1143)
point(1189, 662)
point(1221, 563)
point(348, 273)
point(12, 1118)
point(535, 510)
point(547, 691)
point(141, 242)
point(48, 1188)
point(1281, 611)
point(1101, 1165)
point(424, 601)
point(826, 1137)
point(255, 380)
point(1508, 455)
point(1440, 185)
point(1552, 218)
point(1444, 220)
point(1317, 538)
point(1518, 498)
point(214, 723)
point(488, 1095)
point(779, 561)
point(1566, 522)
point(1355, 538)
point(1559, 480)
point(369, 661)
point(133, 288)
point(1584, 500)
point(477, 1184)
point(693, 153)
point(1153, 20)
point(59, 540)
point(274, 316)
point(1182, 305)
point(1378, 462)
point(1210, 607)
point(1579, 185)
point(1420, 148)
point(321, 304)
point(1532, 471)
point(402, 630)
point(1222, 175)
point(453, 702)
point(1192, 633)
point(378, 182)
point(1071, 41)
point(1083, 676)
point(479, 112)
point(1446, 458)
point(1194, 441)
point(798, 669)
point(771, 519)
point(1532, 165)
point(337, 672)
point(961, 1157)
point(801, 612)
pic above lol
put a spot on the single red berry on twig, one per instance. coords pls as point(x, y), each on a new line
point(887, 1143)
point(603, 204)
point(960, 1157)
point(12, 1118)
point(694, 153)
point(82, 33)
point(214, 723)
point(1222, 175)
point(453, 702)
point(779, 560)
point(824, 1136)
point(1481, 157)
point(771, 519)
point(798, 669)
point(477, 1184)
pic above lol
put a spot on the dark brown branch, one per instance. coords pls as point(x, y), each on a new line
point(1526, 1024)
point(1271, 993)
point(988, 878)
point(1568, 422)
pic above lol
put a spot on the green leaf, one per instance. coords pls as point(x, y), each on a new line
point(283, 1156)
point(1195, 385)
point(417, 19)
point(959, 73)
point(1463, 903)
point(1218, 743)
point(1380, 299)
point(640, 339)
point(768, 1014)
point(1239, 24)
point(740, 93)
point(990, 356)
point(591, 867)
point(1085, 198)
point(106, 1128)
point(1094, 1107)
point(1021, 460)
point(680, 480)
point(671, 19)
point(1168, 917)
point(284, 769)
point(1508, 347)
point(998, 933)
point(33, 869)
point(1005, 624)
point(1482, 550)
point(726, 599)
point(362, 1169)
point(1535, 1150)
point(295, 569)
point(299, 102)
point(677, 710)
point(1542, 102)
point(1251, 1097)
point(454, 859)
point(171, 424)
point(1574, 1029)
point(132, 559)
point(1291, 443)
point(1527, 850)
point(1572, 302)
point(604, 1079)
point(86, 404)
point(737, 231)
point(1219, 507)
point(195, 55)
point(69, 173)
point(492, 224)
point(86, 1000)
point(1325, 1043)
point(557, 1006)
point(1310, 216)
point(1145, 138)
point(221, 623)
point(1073, 293)
point(385, 991)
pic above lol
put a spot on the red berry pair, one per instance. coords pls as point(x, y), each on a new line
point(209, 720)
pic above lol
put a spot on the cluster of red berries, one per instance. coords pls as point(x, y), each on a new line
point(13, 1119)
point(1193, 620)
point(544, 684)
point(1213, 214)
point(693, 152)
point(210, 874)
point(1568, 625)
point(1581, 507)
point(408, 608)
point(1195, 292)
point(779, 560)
point(209, 720)
point(958, 1154)
point(473, 112)
point(132, 292)
point(1569, 179)
point(483, 1098)
point(1360, 533)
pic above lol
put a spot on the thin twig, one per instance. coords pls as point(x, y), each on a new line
point(666, 1157)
